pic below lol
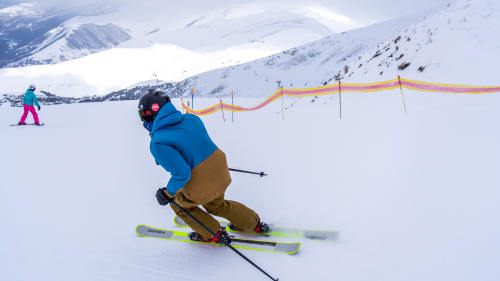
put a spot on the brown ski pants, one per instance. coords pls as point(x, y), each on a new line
point(238, 214)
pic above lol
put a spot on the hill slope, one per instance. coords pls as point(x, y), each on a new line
point(458, 45)
point(406, 192)
point(34, 34)
point(175, 40)
point(300, 67)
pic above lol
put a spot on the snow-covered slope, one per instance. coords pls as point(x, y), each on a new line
point(458, 45)
point(455, 45)
point(181, 39)
point(68, 42)
point(415, 197)
point(300, 67)
point(28, 28)
point(167, 23)
point(169, 40)
point(40, 34)
point(23, 9)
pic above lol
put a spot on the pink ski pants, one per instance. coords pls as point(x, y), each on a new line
point(31, 109)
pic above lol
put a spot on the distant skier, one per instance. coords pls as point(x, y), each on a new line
point(198, 168)
point(29, 100)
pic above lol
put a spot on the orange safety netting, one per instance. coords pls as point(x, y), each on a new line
point(370, 87)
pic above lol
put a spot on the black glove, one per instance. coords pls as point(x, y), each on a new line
point(163, 199)
point(38, 108)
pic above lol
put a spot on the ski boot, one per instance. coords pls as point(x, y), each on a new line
point(214, 239)
point(38, 124)
point(262, 228)
point(21, 123)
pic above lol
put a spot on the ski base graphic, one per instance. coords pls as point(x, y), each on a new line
point(257, 245)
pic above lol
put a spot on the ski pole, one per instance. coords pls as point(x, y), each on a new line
point(221, 239)
point(401, 87)
point(241, 171)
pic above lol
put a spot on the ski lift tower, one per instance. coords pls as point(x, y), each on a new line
point(279, 83)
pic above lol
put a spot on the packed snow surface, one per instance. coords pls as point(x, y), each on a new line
point(415, 196)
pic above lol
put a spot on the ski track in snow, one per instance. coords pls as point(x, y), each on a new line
point(415, 197)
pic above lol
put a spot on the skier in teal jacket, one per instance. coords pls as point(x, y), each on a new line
point(29, 100)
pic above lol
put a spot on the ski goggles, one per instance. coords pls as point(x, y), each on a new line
point(146, 115)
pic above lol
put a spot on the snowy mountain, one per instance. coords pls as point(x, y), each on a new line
point(111, 25)
point(33, 34)
point(177, 40)
point(23, 9)
point(458, 45)
point(304, 66)
point(427, 47)
point(69, 42)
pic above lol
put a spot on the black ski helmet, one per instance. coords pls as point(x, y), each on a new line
point(151, 103)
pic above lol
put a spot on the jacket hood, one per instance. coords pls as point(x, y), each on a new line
point(167, 117)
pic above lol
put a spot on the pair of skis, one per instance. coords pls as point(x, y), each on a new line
point(28, 124)
point(249, 244)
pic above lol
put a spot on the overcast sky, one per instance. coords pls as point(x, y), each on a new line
point(364, 11)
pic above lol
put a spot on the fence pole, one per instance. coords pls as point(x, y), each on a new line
point(222, 107)
point(401, 87)
point(182, 105)
point(340, 101)
point(282, 103)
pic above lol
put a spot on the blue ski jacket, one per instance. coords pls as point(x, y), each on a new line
point(30, 98)
point(181, 145)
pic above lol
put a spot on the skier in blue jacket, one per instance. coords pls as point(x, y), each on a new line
point(198, 168)
point(29, 101)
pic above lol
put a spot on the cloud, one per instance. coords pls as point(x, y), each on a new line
point(366, 11)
